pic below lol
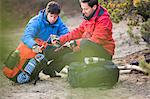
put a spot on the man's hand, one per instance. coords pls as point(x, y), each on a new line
point(55, 41)
point(36, 48)
point(73, 45)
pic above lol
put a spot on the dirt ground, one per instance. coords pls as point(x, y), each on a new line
point(130, 86)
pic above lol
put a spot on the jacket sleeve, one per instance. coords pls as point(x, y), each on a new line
point(62, 29)
point(102, 32)
point(30, 32)
point(73, 35)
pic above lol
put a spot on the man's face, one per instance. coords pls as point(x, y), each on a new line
point(52, 18)
point(86, 9)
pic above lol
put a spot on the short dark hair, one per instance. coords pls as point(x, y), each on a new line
point(91, 3)
point(53, 8)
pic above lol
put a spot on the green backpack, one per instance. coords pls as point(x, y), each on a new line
point(102, 74)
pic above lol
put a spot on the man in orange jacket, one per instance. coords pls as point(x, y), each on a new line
point(92, 38)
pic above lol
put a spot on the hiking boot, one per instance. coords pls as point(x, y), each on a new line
point(51, 73)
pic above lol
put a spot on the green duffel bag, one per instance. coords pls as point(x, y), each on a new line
point(103, 74)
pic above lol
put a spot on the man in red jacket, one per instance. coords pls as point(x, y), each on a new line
point(96, 27)
point(93, 37)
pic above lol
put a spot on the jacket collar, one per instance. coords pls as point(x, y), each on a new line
point(99, 11)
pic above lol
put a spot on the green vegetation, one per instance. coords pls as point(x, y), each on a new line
point(145, 66)
point(16, 13)
point(134, 11)
point(145, 31)
point(13, 18)
point(135, 38)
point(124, 9)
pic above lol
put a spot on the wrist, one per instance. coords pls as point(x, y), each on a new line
point(34, 46)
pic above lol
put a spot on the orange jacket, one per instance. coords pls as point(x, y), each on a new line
point(98, 29)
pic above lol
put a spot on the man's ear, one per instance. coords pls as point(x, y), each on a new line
point(94, 7)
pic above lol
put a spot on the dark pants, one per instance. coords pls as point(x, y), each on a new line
point(66, 56)
point(87, 49)
point(57, 64)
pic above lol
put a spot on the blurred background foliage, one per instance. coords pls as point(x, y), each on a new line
point(135, 12)
point(127, 9)
point(15, 14)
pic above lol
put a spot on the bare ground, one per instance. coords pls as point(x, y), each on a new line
point(130, 86)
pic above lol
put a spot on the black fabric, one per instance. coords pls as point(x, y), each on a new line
point(101, 12)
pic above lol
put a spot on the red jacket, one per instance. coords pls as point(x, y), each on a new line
point(98, 29)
